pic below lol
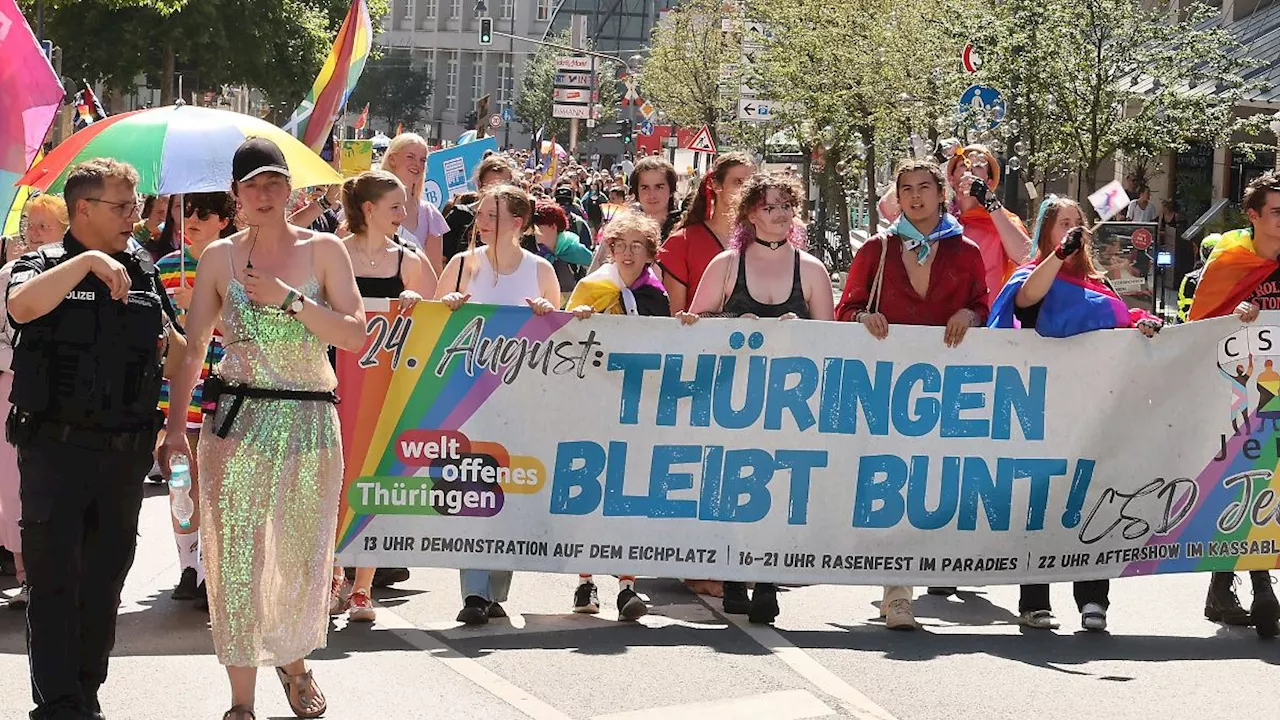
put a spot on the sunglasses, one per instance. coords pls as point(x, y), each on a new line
point(201, 213)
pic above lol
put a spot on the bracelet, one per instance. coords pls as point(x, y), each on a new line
point(288, 300)
point(993, 203)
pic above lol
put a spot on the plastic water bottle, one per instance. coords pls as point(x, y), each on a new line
point(180, 490)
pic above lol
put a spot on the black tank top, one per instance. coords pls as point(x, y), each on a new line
point(740, 301)
point(384, 287)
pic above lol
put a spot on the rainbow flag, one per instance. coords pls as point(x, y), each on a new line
point(32, 94)
point(1233, 272)
point(310, 123)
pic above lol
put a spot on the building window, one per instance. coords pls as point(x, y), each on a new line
point(429, 62)
point(477, 77)
point(544, 9)
point(455, 9)
point(431, 9)
point(451, 83)
point(508, 8)
point(504, 80)
point(408, 13)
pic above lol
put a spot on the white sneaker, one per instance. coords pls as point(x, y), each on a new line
point(899, 616)
point(21, 599)
point(1093, 617)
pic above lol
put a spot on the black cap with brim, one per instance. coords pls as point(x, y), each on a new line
point(256, 156)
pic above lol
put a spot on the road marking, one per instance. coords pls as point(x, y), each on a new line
point(785, 705)
point(478, 674)
point(859, 705)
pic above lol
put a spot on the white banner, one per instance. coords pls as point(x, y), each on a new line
point(808, 452)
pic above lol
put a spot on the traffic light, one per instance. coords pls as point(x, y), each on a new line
point(486, 31)
point(624, 131)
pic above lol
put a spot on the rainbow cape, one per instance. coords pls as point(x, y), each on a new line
point(1234, 270)
point(1072, 306)
point(311, 122)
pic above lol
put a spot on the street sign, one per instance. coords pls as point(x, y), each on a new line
point(495, 121)
point(573, 64)
point(507, 115)
point(969, 59)
point(754, 33)
point(647, 111)
point(702, 142)
point(1142, 239)
point(568, 79)
point(645, 127)
point(571, 112)
point(671, 141)
point(984, 99)
point(755, 110)
point(571, 96)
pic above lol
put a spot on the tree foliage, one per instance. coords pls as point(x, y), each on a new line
point(682, 74)
point(395, 88)
point(533, 102)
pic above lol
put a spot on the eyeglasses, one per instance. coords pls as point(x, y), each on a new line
point(635, 248)
point(123, 209)
point(201, 214)
point(784, 207)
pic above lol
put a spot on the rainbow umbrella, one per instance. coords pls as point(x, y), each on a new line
point(176, 149)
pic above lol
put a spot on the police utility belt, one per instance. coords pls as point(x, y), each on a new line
point(22, 427)
point(216, 390)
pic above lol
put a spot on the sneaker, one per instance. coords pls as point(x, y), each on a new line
point(899, 616)
point(942, 591)
point(19, 601)
point(1222, 605)
point(155, 475)
point(202, 598)
point(764, 604)
point(1093, 617)
point(585, 599)
point(360, 608)
point(1037, 619)
point(186, 587)
point(337, 603)
point(386, 577)
point(1265, 610)
point(495, 611)
point(630, 606)
point(475, 611)
point(736, 601)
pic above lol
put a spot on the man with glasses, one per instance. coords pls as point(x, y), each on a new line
point(94, 328)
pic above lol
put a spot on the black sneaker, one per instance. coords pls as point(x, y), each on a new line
point(386, 577)
point(586, 599)
point(736, 601)
point(186, 588)
point(1221, 604)
point(942, 591)
point(1265, 608)
point(495, 611)
point(202, 598)
point(764, 604)
point(630, 606)
point(475, 611)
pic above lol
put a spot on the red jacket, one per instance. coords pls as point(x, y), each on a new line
point(957, 280)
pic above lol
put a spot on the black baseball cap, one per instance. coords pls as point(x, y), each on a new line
point(256, 156)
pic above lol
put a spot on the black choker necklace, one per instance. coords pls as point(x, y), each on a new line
point(771, 244)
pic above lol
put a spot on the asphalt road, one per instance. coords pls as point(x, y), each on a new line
point(827, 657)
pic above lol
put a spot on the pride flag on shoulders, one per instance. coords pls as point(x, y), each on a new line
point(31, 95)
point(1233, 272)
point(310, 123)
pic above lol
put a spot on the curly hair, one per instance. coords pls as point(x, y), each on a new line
point(754, 194)
point(632, 221)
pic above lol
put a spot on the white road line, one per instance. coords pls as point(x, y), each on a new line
point(785, 705)
point(861, 706)
point(478, 674)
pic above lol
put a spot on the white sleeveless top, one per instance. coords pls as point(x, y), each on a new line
point(509, 289)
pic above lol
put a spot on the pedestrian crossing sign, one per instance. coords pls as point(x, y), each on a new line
point(702, 142)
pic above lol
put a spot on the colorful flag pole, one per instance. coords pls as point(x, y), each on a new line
point(338, 77)
point(32, 95)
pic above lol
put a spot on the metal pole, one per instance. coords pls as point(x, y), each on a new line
point(40, 20)
point(511, 68)
point(578, 38)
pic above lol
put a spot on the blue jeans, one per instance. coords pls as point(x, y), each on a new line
point(492, 585)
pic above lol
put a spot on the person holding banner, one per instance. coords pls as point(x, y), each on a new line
point(1059, 294)
point(271, 450)
point(765, 274)
point(907, 277)
point(207, 217)
point(1242, 278)
point(496, 270)
point(406, 158)
point(374, 204)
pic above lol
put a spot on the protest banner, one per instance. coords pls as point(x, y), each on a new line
point(807, 452)
point(357, 157)
point(452, 170)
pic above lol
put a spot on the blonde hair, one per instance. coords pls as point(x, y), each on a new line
point(51, 204)
point(399, 144)
point(368, 186)
point(632, 221)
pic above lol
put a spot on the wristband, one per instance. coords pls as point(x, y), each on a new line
point(993, 203)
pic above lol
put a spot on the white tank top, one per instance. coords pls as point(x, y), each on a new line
point(509, 289)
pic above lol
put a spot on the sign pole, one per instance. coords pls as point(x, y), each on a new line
point(578, 35)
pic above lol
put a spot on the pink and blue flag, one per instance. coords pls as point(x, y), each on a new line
point(32, 94)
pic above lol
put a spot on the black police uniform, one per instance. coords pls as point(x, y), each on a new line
point(84, 423)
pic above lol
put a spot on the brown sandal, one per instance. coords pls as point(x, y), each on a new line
point(304, 684)
point(239, 712)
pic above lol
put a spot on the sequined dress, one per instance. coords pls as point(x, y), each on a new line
point(269, 490)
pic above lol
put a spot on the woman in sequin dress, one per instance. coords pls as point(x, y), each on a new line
point(270, 466)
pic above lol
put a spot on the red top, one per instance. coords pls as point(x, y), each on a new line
point(957, 279)
point(687, 253)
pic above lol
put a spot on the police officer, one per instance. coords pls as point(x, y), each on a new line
point(94, 325)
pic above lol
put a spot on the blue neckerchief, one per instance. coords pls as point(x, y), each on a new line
point(913, 239)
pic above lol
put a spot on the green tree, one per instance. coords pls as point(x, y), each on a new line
point(689, 56)
point(533, 103)
point(1089, 79)
point(395, 88)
